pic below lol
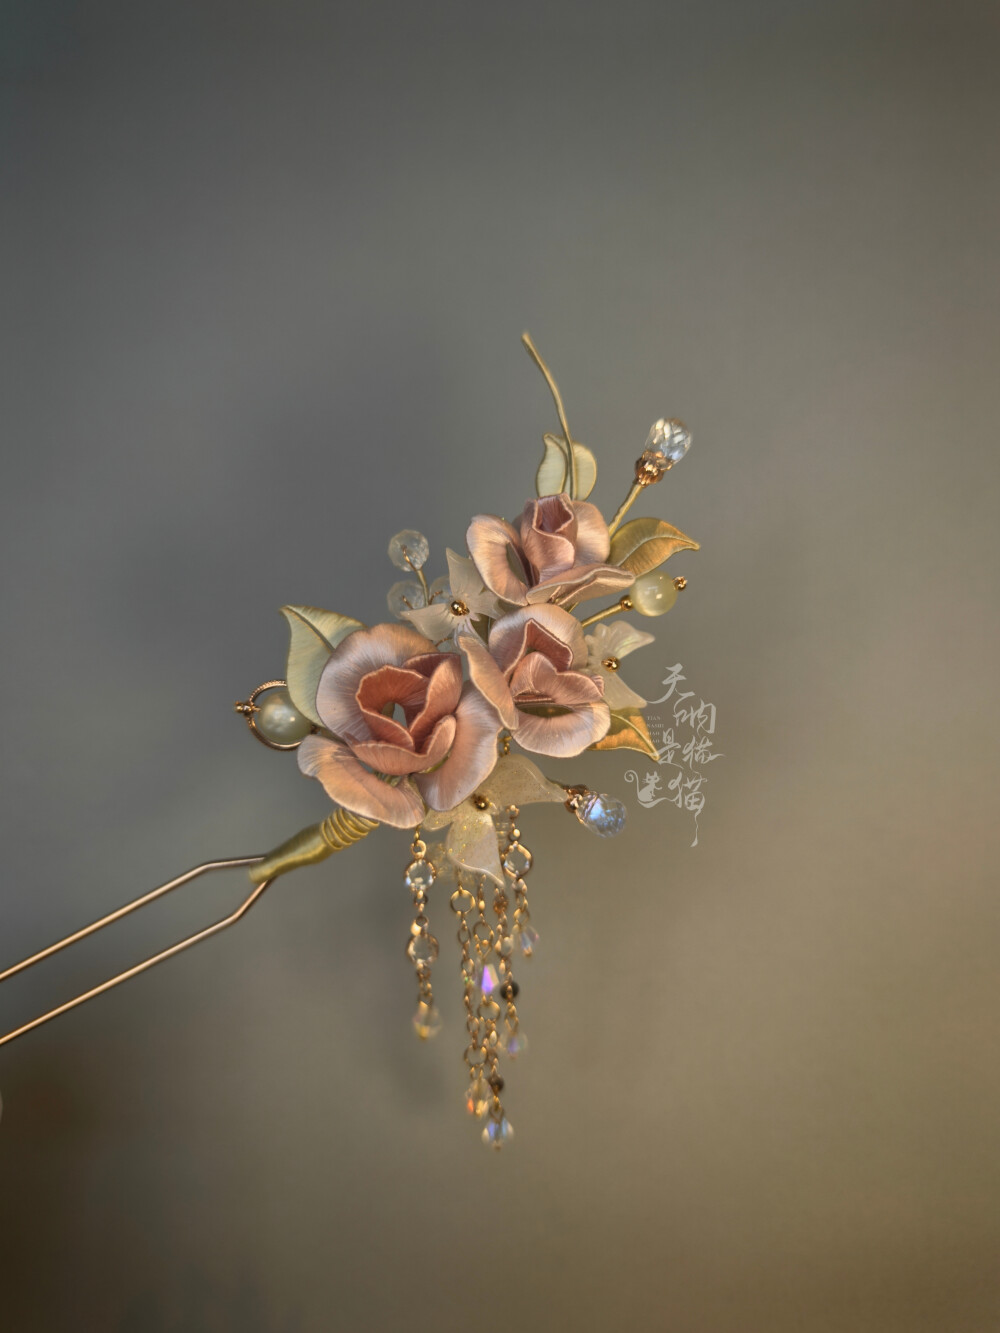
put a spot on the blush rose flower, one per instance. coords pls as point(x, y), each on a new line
point(530, 673)
point(557, 553)
point(399, 708)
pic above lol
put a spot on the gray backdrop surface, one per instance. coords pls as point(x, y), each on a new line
point(264, 271)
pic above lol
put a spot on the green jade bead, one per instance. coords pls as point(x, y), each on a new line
point(653, 594)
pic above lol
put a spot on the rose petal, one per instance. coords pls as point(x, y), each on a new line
point(593, 541)
point(566, 735)
point(473, 754)
point(548, 536)
point(361, 652)
point(349, 784)
point(488, 678)
point(490, 538)
point(396, 761)
point(383, 689)
point(562, 636)
point(582, 583)
point(537, 679)
point(443, 675)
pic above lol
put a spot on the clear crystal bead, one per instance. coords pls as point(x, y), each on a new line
point(409, 549)
point(497, 1133)
point(603, 815)
point(406, 595)
point(441, 589)
point(478, 1096)
point(420, 874)
point(670, 438)
point(517, 860)
point(526, 939)
point(514, 1043)
point(422, 948)
point(504, 946)
point(426, 1021)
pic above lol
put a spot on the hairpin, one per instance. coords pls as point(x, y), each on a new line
point(432, 722)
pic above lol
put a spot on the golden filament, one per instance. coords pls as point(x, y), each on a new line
point(623, 604)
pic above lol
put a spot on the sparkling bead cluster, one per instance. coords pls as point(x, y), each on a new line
point(489, 941)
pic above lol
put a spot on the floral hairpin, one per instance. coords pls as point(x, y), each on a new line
point(433, 722)
point(427, 722)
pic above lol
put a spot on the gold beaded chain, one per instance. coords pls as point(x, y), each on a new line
point(422, 947)
point(517, 862)
point(476, 1096)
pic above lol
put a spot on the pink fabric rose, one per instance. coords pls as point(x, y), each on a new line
point(399, 708)
point(559, 548)
point(530, 674)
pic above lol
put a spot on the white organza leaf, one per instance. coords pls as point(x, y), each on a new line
point(471, 842)
point(517, 781)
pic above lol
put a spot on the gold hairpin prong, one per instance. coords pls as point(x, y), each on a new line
point(134, 906)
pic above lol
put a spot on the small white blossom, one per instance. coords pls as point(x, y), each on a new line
point(612, 642)
point(455, 607)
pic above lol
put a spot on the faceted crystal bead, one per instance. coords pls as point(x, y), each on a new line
point(422, 948)
point(514, 1043)
point(478, 1096)
point(671, 438)
point(653, 594)
point(526, 939)
point(603, 814)
point(517, 860)
point(409, 549)
point(497, 1133)
point(406, 595)
point(419, 874)
point(426, 1021)
point(441, 589)
point(487, 978)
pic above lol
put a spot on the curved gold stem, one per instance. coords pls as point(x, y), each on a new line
point(625, 506)
point(144, 966)
point(623, 604)
point(560, 410)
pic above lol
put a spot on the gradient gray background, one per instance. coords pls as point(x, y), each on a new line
point(264, 271)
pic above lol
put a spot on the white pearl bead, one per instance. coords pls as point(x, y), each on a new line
point(653, 593)
point(278, 720)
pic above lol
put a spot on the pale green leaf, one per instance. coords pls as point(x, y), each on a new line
point(644, 543)
point(315, 634)
point(552, 476)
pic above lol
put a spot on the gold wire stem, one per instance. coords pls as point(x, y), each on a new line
point(560, 410)
point(418, 570)
point(144, 966)
point(623, 604)
point(625, 506)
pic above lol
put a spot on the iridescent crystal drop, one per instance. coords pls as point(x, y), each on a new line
point(497, 1133)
